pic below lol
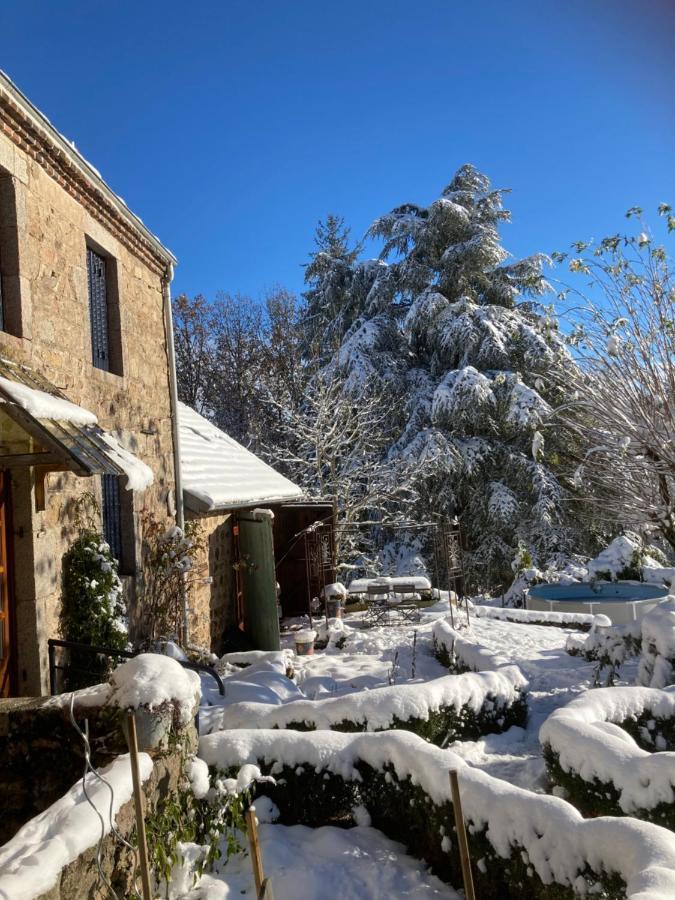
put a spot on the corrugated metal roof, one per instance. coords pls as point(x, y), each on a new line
point(83, 446)
point(219, 474)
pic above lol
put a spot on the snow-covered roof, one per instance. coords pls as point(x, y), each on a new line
point(218, 473)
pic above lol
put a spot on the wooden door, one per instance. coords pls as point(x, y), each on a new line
point(6, 618)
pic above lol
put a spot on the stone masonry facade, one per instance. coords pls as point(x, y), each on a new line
point(52, 208)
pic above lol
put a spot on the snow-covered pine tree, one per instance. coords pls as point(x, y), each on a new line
point(328, 298)
point(483, 368)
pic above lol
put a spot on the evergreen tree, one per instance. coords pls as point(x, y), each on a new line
point(480, 362)
point(329, 278)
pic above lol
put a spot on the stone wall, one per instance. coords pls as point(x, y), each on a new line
point(212, 593)
point(43, 756)
point(52, 335)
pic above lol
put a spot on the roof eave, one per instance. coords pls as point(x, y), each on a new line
point(196, 505)
point(85, 168)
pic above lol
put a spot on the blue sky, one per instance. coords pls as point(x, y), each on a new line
point(231, 127)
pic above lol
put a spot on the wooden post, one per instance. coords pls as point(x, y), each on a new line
point(266, 890)
point(465, 860)
point(138, 803)
point(256, 858)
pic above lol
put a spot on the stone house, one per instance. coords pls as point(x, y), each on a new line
point(85, 320)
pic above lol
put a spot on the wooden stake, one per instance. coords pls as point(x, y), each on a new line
point(138, 803)
point(266, 890)
point(464, 857)
point(256, 857)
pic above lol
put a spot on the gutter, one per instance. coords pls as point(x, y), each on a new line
point(175, 430)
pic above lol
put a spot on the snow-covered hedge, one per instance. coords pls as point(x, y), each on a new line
point(579, 621)
point(461, 654)
point(657, 663)
point(449, 708)
point(523, 845)
point(613, 751)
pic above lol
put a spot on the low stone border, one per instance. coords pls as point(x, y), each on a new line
point(612, 751)
point(578, 621)
point(524, 846)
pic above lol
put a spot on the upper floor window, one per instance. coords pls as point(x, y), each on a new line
point(106, 343)
point(10, 293)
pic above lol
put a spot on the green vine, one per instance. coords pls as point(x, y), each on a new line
point(211, 822)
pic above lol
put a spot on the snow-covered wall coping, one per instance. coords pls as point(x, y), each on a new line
point(559, 843)
point(378, 708)
point(586, 737)
point(31, 862)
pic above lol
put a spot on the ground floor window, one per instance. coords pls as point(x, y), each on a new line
point(118, 522)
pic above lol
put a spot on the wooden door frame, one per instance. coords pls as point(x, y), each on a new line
point(9, 577)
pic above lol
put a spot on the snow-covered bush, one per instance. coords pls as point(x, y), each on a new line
point(612, 751)
point(461, 654)
point(445, 709)
point(92, 608)
point(607, 645)
point(657, 662)
point(185, 830)
point(525, 846)
point(622, 560)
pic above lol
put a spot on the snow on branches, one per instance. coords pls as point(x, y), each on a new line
point(624, 411)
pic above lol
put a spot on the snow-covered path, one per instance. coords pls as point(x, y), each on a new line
point(311, 863)
point(555, 678)
point(371, 657)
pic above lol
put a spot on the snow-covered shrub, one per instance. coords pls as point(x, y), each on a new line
point(657, 662)
point(612, 750)
point(622, 560)
point(168, 557)
point(524, 846)
point(92, 608)
point(558, 570)
point(450, 708)
point(607, 645)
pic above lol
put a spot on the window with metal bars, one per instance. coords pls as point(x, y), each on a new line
point(111, 508)
point(98, 309)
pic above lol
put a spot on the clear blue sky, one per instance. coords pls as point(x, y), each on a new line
point(231, 127)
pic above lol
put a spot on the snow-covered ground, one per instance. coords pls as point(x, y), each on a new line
point(307, 863)
point(377, 656)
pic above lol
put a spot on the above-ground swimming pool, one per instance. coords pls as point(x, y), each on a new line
point(620, 601)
